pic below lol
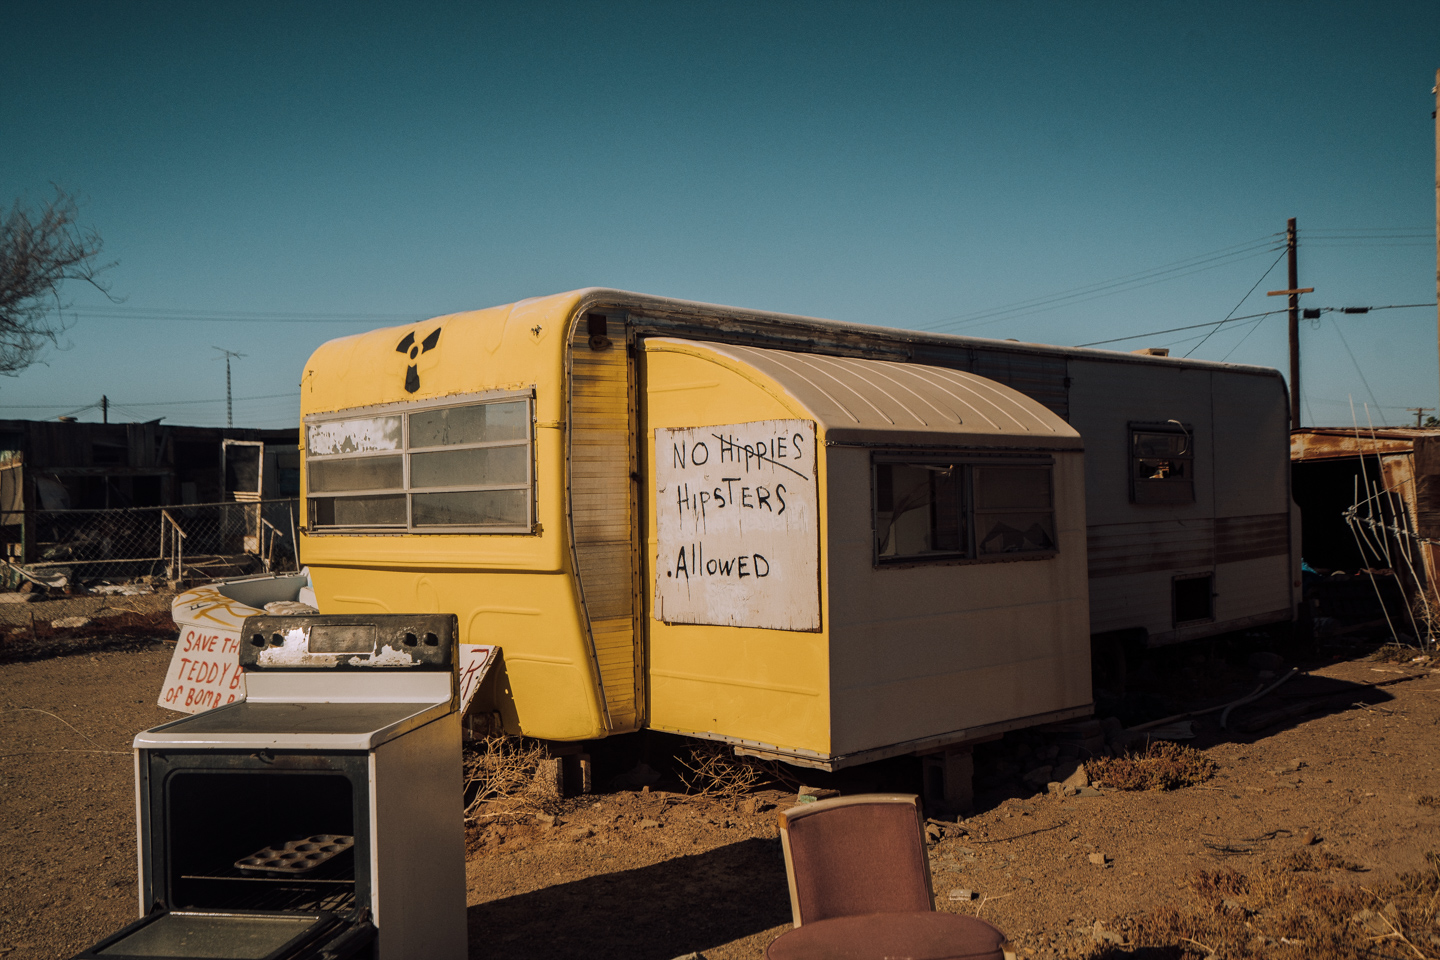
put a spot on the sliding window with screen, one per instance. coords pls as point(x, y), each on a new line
point(457, 466)
point(1162, 463)
point(936, 509)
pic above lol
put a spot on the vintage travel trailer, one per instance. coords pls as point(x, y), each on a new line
point(821, 542)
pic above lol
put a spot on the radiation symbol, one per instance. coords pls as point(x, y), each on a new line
point(409, 346)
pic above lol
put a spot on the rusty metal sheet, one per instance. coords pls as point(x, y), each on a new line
point(1336, 444)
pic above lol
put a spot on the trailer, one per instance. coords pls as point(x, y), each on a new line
point(825, 543)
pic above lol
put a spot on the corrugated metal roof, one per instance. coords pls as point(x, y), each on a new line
point(876, 399)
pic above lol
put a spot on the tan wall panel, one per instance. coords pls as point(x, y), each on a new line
point(923, 650)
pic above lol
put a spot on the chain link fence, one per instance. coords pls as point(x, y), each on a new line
point(190, 542)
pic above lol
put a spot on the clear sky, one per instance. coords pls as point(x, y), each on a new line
point(343, 166)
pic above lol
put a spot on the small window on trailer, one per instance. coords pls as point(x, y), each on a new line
point(1162, 463)
point(930, 507)
point(1193, 598)
point(452, 466)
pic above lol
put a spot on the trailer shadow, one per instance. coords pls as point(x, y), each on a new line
point(686, 904)
point(1000, 766)
point(1305, 697)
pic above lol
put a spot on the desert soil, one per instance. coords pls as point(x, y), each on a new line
point(626, 873)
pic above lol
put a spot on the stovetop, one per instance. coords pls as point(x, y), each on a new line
point(263, 725)
point(313, 710)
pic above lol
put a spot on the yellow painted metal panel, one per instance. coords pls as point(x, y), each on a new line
point(769, 686)
point(509, 589)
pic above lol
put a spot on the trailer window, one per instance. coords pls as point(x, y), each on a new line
point(937, 510)
point(458, 466)
point(1162, 465)
point(1013, 510)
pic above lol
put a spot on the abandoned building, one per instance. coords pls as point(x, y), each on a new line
point(52, 467)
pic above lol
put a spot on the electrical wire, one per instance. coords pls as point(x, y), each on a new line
point(144, 403)
point(1193, 326)
point(174, 403)
point(1253, 327)
point(1356, 364)
point(1184, 267)
point(1252, 316)
point(235, 316)
point(1238, 305)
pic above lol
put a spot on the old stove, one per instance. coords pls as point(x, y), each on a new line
point(320, 817)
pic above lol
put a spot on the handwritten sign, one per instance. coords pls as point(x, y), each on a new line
point(737, 512)
point(475, 662)
point(205, 668)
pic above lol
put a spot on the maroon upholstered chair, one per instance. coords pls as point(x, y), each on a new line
point(852, 855)
point(860, 862)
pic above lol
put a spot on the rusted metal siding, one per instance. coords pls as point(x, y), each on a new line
point(1333, 443)
point(602, 510)
point(1040, 376)
point(1120, 549)
point(1427, 486)
point(1250, 538)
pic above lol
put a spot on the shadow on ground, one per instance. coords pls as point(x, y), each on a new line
point(658, 912)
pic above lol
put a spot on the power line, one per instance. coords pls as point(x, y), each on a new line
point(145, 403)
point(1237, 306)
point(1253, 327)
point(1252, 316)
point(1193, 264)
point(1193, 326)
point(176, 403)
point(1355, 363)
point(236, 316)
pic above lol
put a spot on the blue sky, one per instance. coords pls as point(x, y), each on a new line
point(920, 165)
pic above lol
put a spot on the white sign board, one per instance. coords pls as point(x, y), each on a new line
point(205, 668)
point(737, 509)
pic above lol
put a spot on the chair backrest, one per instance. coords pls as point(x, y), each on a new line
point(854, 855)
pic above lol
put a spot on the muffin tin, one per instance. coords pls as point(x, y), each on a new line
point(296, 857)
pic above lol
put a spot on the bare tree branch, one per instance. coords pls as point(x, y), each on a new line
point(39, 251)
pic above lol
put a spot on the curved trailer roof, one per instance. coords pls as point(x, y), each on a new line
point(868, 400)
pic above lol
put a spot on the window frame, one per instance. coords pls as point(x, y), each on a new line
point(1132, 462)
point(965, 462)
point(1208, 578)
point(404, 409)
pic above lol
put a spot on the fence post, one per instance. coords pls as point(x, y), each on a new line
point(27, 521)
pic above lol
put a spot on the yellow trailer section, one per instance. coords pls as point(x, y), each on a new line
point(665, 516)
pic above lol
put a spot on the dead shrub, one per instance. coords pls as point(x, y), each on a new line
point(1219, 883)
point(501, 779)
point(1428, 800)
point(711, 770)
point(1282, 912)
point(1162, 766)
point(1395, 653)
point(1304, 861)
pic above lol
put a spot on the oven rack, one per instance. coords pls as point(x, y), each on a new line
point(335, 897)
point(331, 886)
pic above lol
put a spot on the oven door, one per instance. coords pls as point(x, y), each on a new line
point(238, 935)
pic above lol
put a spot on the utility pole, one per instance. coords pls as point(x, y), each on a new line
point(229, 408)
point(1436, 90)
point(104, 409)
point(1293, 292)
point(1419, 414)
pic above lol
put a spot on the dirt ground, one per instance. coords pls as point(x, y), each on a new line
point(1333, 759)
